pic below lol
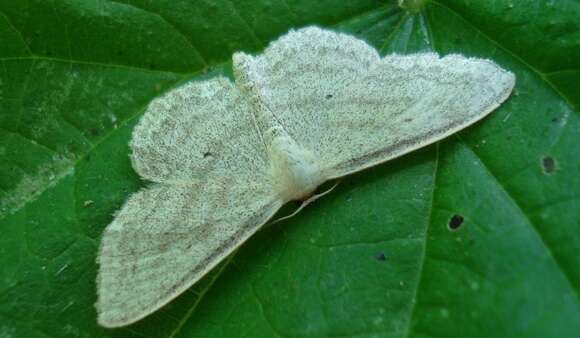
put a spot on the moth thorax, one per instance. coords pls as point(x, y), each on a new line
point(295, 170)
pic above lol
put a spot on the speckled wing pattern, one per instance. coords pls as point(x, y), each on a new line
point(338, 98)
point(160, 243)
point(224, 157)
point(200, 130)
point(211, 192)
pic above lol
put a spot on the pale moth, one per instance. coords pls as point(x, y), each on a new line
point(224, 156)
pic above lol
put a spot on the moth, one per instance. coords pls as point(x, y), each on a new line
point(224, 156)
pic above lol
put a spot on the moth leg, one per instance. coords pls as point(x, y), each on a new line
point(304, 204)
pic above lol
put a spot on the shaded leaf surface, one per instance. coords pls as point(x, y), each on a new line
point(376, 257)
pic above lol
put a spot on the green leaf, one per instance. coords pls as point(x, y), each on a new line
point(377, 257)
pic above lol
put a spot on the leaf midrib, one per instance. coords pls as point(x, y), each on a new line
point(566, 274)
point(139, 110)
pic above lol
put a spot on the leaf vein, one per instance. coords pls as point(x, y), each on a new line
point(171, 24)
point(422, 259)
point(567, 276)
point(542, 75)
point(17, 32)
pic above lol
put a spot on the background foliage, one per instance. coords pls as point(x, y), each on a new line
point(376, 257)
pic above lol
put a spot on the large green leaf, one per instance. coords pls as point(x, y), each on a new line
point(374, 258)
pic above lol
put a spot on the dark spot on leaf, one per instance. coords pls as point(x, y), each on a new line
point(93, 132)
point(207, 154)
point(548, 164)
point(329, 96)
point(381, 256)
point(555, 119)
point(455, 222)
point(408, 120)
point(71, 147)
